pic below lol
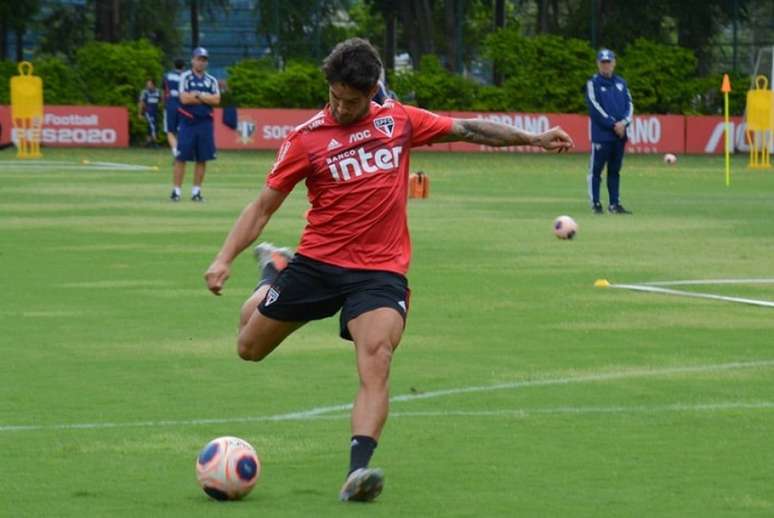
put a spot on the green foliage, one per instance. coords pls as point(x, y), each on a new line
point(660, 77)
point(256, 84)
point(543, 73)
point(114, 74)
point(709, 99)
point(65, 29)
point(61, 84)
point(7, 70)
point(434, 88)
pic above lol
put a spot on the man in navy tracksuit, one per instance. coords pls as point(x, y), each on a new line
point(611, 109)
point(199, 93)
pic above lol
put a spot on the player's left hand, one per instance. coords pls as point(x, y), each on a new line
point(555, 139)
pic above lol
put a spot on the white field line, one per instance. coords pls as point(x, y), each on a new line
point(62, 166)
point(696, 295)
point(326, 411)
point(708, 282)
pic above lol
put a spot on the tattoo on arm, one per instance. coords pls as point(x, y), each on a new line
point(489, 133)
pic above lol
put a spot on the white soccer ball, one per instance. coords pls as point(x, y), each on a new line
point(227, 468)
point(670, 159)
point(565, 227)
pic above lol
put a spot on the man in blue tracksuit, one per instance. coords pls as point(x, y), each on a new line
point(199, 94)
point(611, 109)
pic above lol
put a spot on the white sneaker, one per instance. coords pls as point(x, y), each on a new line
point(266, 253)
point(362, 485)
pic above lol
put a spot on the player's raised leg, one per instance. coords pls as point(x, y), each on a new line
point(376, 334)
point(259, 335)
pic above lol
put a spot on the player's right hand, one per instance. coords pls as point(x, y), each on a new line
point(216, 276)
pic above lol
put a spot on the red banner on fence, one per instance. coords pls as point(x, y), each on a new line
point(100, 126)
point(265, 129)
point(706, 134)
point(258, 128)
point(647, 133)
point(77, 126)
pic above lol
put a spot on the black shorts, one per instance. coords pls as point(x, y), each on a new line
point(312, 290)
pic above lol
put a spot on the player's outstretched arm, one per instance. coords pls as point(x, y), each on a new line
point(247, 228)
point(489, 133)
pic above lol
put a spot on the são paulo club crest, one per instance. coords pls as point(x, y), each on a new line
point(385, 125)
point(245, 131)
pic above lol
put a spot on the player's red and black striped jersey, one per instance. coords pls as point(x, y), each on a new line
point(357, 182)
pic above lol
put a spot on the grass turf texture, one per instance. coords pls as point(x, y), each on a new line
point(106, 319)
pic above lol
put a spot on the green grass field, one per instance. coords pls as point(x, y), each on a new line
point(530, 392)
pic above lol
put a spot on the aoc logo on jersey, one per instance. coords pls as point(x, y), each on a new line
point(355, 162)
point(385, 125)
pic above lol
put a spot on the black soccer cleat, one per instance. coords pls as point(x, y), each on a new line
point(362, 485)
point(174, 196)
point(617, 208)
point(597, 208)
point(197, 197)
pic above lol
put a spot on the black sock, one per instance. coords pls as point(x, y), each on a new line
point(360, 452)
point(268, 274)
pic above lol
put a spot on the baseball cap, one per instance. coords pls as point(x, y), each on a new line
point(605, 55)
point(201, 51)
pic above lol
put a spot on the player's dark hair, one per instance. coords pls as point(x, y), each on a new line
point(354, 62)
point(179, 63)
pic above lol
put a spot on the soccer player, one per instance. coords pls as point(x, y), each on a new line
point(611, 109)
point(171, 87)
point(355, 250)
point(148, 108)
point(199, 93)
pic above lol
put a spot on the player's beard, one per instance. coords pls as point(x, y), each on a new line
point(351, 119)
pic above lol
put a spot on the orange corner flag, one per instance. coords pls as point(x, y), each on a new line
point(726, 86)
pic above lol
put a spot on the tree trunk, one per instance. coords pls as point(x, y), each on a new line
point(499, 23)
point(107, 20)
point(194, 23)
point(409, 27)
point(20, 43)
point(3, 39)
point(115, 21)
point(389, 41)
point(424, 14)
point(542, 17)
point(451, 36)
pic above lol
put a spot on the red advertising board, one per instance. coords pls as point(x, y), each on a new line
point(78, 126)
point(575, 125)
point(656, 134)
point(101, 126)
point(258, 128)
point(706, 134)
point(647, 133)
point(5, 124)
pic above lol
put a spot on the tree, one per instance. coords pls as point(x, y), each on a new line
point(65, 30)
point(16, 16)
point(107, 26)
point(153, 20)
point(196, 7)
point(302, 29)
